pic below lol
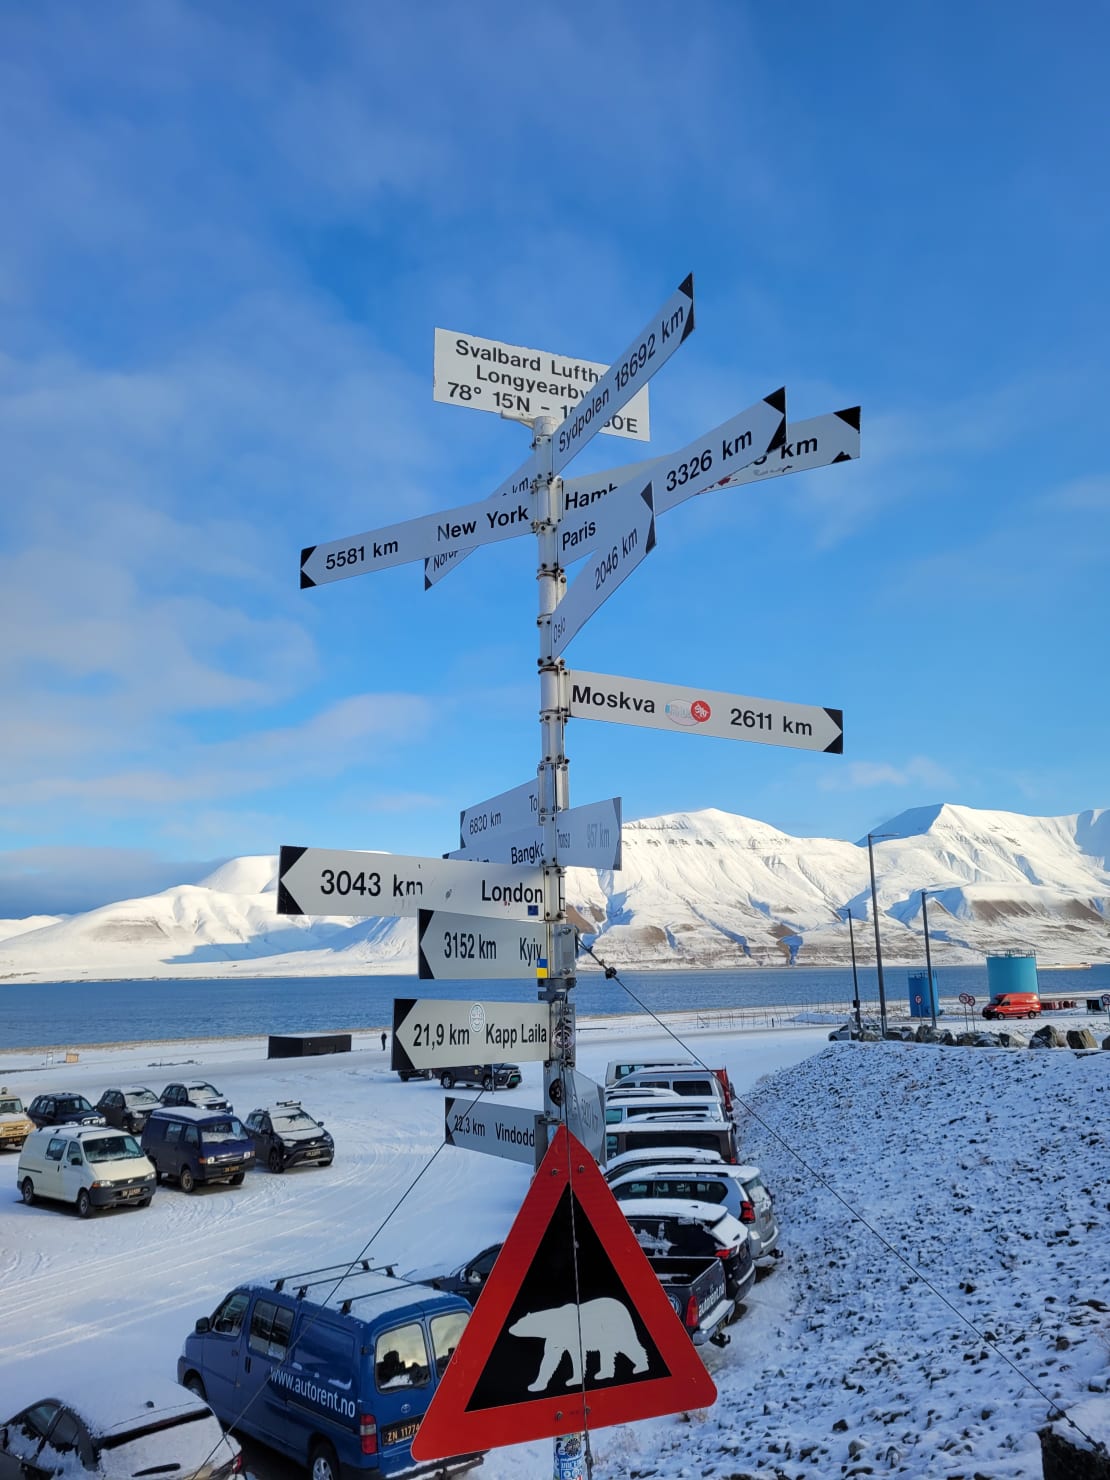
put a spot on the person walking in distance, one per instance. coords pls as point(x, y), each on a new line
point(383, 1043)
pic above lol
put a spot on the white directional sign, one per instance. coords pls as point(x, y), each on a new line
point(588, 837)
point(703, 466)
point(648, 352)
point(585, 1111)
point(506, 513)
point(481, 1125)
point(498, 1130)
point(625, 534)
point(329, 881)
point(660, 706)
point(486, 375)
point(431, 1033)
point(457, 948)
point(510, 811)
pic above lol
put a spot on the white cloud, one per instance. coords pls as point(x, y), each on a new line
point(864, 775)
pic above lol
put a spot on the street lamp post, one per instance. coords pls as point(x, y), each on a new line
point(875, 916)
point(855, 978)
point(928, 955)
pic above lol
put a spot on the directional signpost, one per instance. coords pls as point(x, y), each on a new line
point(625, 536)
point(486, 375)
point(588, 837)
point(455, 948)
point(660, 706)
point(328, 881)
point(968, 1001)
point(575, 1283)
point(430, 1033)
point(508, 1131)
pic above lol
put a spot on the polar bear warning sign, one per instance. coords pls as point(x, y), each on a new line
point(572, 1331)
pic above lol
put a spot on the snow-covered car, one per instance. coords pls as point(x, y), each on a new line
point(285, 1135)
point(739, 1189)
point(15, 1124)
point(102, 1427)
point(673, 1227)
point(196, 1092)
point(67, 1109)
point(128, 1109)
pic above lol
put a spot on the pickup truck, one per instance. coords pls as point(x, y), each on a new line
point(695, 1286)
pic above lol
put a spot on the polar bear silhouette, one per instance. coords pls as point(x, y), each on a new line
point(606, 1328)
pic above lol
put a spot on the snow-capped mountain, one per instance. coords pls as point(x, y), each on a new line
point(701, 889)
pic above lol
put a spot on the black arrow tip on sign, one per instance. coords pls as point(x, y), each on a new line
point(306, 556)
point(687, 287)
point(851, 416)
point(286, 904)
point(836, 747)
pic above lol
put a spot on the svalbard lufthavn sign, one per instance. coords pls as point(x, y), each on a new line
point(506, 513)
point(330, 881)
point(457, 948)
point(478, 1124)
point(675, 477)
point(660, 706)
point(509, 811)
point(435, 1033)
point(486, 375)
point(586, 837)
point(624, 536)
point(671, 326)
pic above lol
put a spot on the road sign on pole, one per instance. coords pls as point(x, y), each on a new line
point(478, 1124)
point(504, 515)
point(588, 837)
point(585, 1111)
point(626, 536)
point(454, 948)
point(659, 706)
point(486, 375)
point(330, 881)
point(671, 326)
point(509, 811)
point(433, 1033)
point(572, 1330)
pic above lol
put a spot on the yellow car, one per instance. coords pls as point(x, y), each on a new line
point(15, 1126)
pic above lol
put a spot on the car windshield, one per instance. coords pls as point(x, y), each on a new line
point(132, 1097)
point(74, 1102)
point(230, 1129)
point(11, 1107)
point(200, 1088)
point(112, 1148)
point(293, 1120)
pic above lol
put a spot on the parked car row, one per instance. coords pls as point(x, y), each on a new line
point(126, 1109)
point(96, 1165)
point(473, 1076)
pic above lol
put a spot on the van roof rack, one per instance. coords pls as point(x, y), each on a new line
point(288, 1102)
point(328, 1272)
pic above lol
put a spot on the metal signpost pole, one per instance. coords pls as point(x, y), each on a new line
point(878, 945)
point(855, 979)
point(571, 1458)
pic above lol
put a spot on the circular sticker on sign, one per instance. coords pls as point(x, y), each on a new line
point(700, 711)
point(967, 999)
point(477, 1019)
point(1106, 999)
point(917, 998)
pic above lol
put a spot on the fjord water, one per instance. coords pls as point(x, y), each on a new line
point(68, 1014)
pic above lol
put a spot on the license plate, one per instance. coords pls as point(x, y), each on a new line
point(131, 1192)
point(231, 1169)
point(397, 1433)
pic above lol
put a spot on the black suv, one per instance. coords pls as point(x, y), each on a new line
point(128, 1109)
point(286, 1135)
point(482, 1076)
point(63, 1110)
point(469, 1280)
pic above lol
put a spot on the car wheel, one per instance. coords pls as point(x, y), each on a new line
point(322, 1463)
point(237, 1180)
point(447, 1081)
point(194, 1385)
point(487, 1082)
point(144, 1202)
point(275, 1162)
point(326, 1163)
point(27, 1190)
point(188, 1181)
point(84, 1203)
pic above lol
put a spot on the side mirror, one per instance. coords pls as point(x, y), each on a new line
point(474, 1276)
point(203, 1325)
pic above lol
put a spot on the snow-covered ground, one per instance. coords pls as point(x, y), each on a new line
point(988, 1171)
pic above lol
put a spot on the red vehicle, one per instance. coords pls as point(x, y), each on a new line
point(1013, 1004)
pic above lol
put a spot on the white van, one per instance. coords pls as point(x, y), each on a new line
point(89, 1166)
point(692, 1082)
point(620, 1068)
point(692, 1133)
point(685, 1107)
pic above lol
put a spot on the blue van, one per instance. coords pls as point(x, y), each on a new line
point(333, 1368)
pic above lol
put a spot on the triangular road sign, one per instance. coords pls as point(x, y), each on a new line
point(550, 1350)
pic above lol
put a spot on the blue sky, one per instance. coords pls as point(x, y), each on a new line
point(230, 230)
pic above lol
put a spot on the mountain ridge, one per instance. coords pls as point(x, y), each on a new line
point(707, 889)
